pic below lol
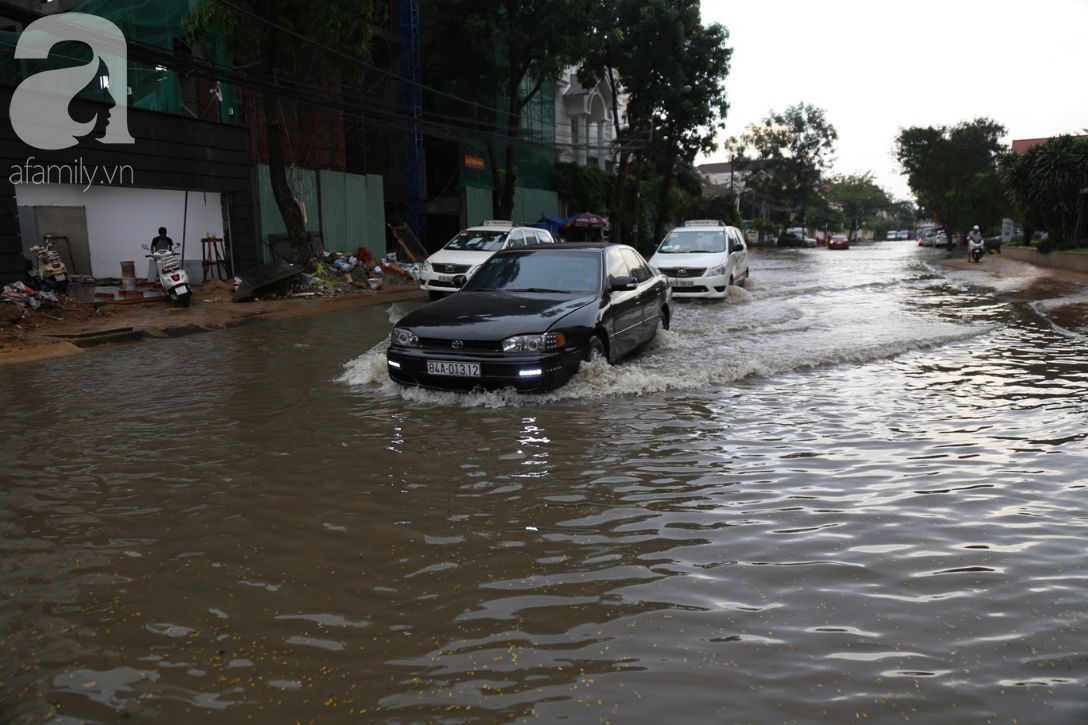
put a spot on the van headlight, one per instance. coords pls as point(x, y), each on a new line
point(718, 271)
point(427, 266)
point(534, 343)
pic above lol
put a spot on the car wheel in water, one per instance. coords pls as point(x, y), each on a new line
point(663, 321)
point(595, 350)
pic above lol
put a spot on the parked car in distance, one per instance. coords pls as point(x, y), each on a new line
point(530, 316)
point(838, 241)
point(470, 248)
point(795, 239)
point(903, 234)
point(702, 258)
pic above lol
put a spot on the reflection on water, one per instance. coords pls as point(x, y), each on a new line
point(853, 492)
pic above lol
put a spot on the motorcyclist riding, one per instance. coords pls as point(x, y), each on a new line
point(975, 245)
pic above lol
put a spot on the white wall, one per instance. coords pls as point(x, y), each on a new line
point(120, 219)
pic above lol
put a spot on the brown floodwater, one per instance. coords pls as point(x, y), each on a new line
point(854, 491)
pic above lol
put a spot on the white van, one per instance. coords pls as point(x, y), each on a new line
point(702, 259)
point(469, 249)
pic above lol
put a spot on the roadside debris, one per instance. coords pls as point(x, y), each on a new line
point(22, 296)
point(331, 274)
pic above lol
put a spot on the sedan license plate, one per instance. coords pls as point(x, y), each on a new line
point(457, 369)
point(681, 282)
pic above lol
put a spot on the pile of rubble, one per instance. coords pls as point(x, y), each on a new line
point(329, 274)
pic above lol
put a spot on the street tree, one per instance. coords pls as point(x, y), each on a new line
point(787, 154)
point(691, 112)
point(1048, 184)
point(952, 171)
point(498, 55)
point(859, 198)
point(671, 71)
point(266, 39)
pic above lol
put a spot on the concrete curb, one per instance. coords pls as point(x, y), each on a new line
point(1055, 260)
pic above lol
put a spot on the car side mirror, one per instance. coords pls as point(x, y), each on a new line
point(623, 284)
point(460, 281)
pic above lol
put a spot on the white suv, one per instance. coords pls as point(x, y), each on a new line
point(702, 258)
point(468, 250)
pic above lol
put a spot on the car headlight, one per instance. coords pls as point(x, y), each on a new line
point(404, 338)
point(716, 271)
point(427, 266)
point(472, 270)
point(534, 343)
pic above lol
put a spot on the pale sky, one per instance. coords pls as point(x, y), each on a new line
point(876, 66)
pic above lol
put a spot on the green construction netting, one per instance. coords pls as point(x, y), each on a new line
point(534, 158)
point(155, 23)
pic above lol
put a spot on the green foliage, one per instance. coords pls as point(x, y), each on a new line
point(720, 206)
point(498, 55)
point(1047, 185)
point(671, 70)
point(952, 171)
point(272, 32)
point(584, 188)
point(786, 155)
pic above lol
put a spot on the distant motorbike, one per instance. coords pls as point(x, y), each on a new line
point(50, 272)
point(975, 249)
point(172, 277)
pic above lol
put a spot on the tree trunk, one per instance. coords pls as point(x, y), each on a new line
point(277, 173)
point(506, 196)
point(665, 195)
point(637, 211)
point(615, 216)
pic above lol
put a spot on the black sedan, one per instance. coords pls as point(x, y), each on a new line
point(530, 316)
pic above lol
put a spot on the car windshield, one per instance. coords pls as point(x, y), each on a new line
point(478, 240)
point(540, 271)
point(693, 242)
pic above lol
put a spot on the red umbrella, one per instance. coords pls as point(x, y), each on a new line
point(587, 220)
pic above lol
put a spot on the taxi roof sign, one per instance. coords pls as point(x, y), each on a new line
point(704, 223)
point(497, 223)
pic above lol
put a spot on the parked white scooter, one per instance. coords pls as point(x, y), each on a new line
point(51, 272)
point(172, 277)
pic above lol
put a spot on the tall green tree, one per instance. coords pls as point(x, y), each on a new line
point(952, 171)
point(498, 54)
point(671, 71)
point(787, 154)
point(267, 38)
point(692, 111)
point(859, 197)
point(1048, 184)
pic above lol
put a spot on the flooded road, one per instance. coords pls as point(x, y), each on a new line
point(852, 492)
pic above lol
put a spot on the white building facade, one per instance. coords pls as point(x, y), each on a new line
point(585, 127)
